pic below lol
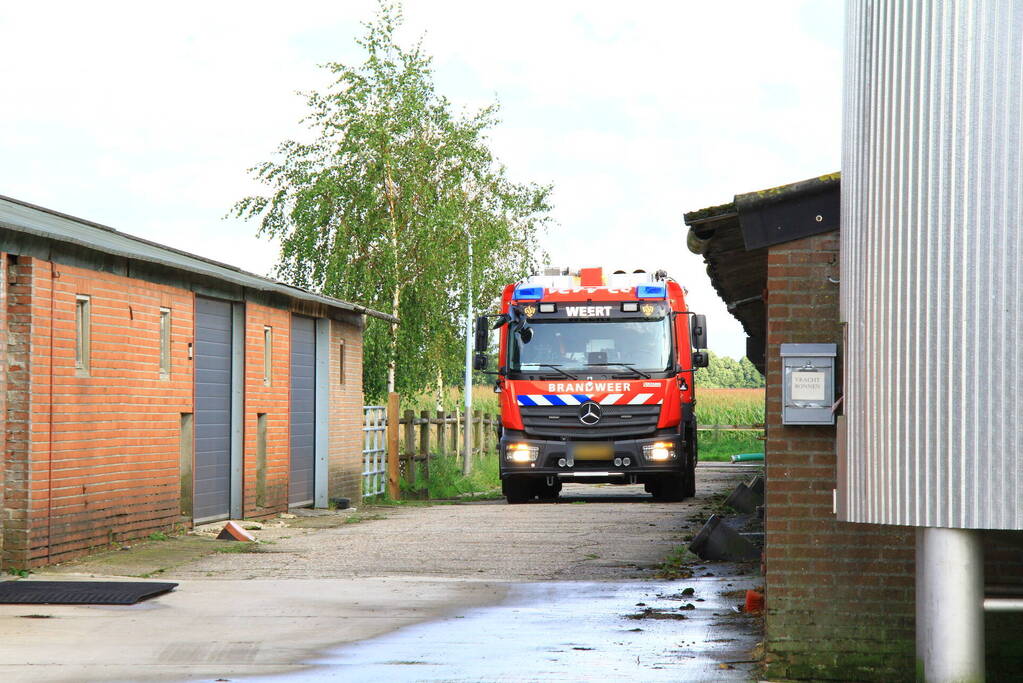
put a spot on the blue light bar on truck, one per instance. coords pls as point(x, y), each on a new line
point(528, 293)
point(651, 291)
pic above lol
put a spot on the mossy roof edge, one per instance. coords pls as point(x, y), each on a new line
point(767, 196)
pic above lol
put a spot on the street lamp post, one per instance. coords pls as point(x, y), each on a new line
point(467, 441)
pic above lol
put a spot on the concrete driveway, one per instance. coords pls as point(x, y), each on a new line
point(476, 591)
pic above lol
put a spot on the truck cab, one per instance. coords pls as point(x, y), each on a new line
point(595, 378)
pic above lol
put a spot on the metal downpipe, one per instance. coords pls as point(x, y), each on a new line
point(949, 605)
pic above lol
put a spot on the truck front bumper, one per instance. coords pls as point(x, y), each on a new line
point(625, 460)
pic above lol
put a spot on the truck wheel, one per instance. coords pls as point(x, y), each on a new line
point(517, 491)
point(694, 454)
point(689, 490)
point(671, 488)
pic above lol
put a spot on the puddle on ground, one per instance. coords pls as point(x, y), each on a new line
point(563, 631)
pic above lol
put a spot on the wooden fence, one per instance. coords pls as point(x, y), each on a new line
point(439, 433)
point(414, 439)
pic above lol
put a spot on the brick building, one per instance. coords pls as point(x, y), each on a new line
point(840, 597)
point(146, 388)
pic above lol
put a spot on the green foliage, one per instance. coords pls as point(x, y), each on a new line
point(447, 481)
point(729, 407)
point(483, 398)
point(376, 207)
point(725, 372)
point(158, 536)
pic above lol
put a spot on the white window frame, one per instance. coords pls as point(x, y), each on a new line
point(268, 355)
point(165, 342)
point(341, 361)
point(83, 334)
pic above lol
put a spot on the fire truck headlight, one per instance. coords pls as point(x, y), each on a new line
point(521, 452)
point(659, 452)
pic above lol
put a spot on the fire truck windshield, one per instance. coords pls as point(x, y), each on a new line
point(639, 345)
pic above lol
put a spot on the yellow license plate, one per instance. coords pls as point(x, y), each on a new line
point(592, 451)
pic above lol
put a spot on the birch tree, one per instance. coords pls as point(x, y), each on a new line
point(377, 207)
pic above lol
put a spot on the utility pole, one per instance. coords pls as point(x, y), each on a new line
point(467, 450)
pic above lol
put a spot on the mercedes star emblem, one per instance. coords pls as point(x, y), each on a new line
point(589, 413)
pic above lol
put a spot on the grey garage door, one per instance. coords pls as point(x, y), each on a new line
point(212, 494)
point(303, 410)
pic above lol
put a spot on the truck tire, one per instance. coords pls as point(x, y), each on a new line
point(693, 456)
point(517, 491)
point(689, 490)
point(671, 488)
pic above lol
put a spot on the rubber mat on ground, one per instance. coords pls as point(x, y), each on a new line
point(80, 592)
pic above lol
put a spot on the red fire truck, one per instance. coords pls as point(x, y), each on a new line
point(595, 378)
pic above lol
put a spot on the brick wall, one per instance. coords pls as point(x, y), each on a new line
point(15, 518)
point(840, 602)
point(346, 420)
point(265, 488)
point(4, 302)
point(841, 596)
point(102, 449)
point(95, 457)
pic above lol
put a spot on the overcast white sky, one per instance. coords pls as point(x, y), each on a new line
point(145, 116)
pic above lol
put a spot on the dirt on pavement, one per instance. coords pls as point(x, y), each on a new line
point(593, 533)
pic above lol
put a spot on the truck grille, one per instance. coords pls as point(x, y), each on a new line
point(617, 421)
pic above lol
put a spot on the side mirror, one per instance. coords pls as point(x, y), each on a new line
point(479, 361)
point(482, 335)
point(701, 359)
point(698, 331)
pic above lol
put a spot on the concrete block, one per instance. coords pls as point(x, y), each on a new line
point(717, 541)
point(744, 499)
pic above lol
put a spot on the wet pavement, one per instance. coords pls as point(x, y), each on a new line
point(566, 631)
point(479, 591)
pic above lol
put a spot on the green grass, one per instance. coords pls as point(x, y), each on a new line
point(447, 481)
point(729, 407)
point(721, 446)
point(677, 564)
point(240, 547)
point(360, 517)
point(149, 575)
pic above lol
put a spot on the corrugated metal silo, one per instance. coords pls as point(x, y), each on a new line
point(932, 278)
